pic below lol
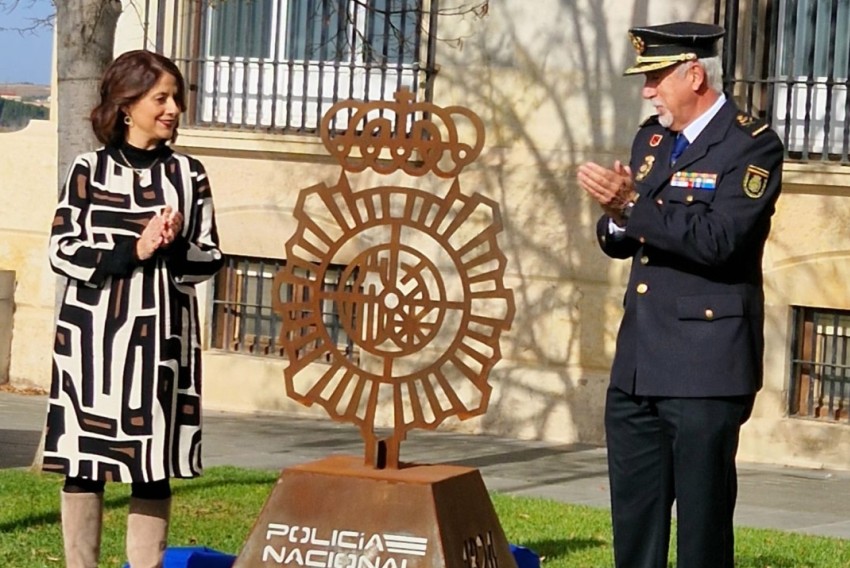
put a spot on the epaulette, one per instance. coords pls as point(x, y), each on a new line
point(649, 121)
point(750, 124)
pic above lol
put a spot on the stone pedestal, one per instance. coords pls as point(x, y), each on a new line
point(339, 513)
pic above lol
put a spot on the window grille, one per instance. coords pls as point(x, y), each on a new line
point(820, 367)
point(243, 320)
point(278, 65)
point(788, 62)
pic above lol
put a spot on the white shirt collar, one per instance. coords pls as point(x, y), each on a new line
point(694, 129)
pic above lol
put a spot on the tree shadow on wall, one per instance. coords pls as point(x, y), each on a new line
point(551, 98)
point(551, 93)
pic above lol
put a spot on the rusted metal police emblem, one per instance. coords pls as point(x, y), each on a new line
point(421, 296)
point(422, 300)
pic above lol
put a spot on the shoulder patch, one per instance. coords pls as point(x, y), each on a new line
point(755, 181)
point(750, 124)
point(649, 121)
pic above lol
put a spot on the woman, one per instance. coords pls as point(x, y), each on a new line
point(133, 233)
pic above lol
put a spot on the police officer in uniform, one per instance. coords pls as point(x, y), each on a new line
point(692, 211)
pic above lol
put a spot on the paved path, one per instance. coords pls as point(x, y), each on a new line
point(799, 500)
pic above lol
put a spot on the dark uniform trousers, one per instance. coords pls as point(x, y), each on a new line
point(661, 449)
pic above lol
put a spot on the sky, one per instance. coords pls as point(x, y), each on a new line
point(25, 58)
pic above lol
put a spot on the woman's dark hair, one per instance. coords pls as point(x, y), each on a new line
point(126, 80)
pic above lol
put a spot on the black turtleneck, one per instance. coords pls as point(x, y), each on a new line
point(137, 157)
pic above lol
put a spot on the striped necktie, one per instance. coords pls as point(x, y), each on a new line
point(678, 147)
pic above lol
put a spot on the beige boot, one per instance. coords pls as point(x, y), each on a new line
point(82, 519)
point(147, 532)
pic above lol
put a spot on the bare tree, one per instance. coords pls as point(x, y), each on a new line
point(33, 25)
point(85, 42)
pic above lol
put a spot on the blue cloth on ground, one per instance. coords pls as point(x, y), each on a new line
point(195, 557)
point(524, 557)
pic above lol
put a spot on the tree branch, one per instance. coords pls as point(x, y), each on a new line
point(35, 24)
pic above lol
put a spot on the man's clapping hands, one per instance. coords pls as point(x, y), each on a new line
point(612, 187)
point(160, 232)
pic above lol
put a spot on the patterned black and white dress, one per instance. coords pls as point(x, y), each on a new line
point(125, 397)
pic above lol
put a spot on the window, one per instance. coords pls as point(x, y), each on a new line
point(788, 62)
point(820, 367)
point(315, 32)
point(240, 29)
point(811, 96)
point(280, 64)
point(243, 320)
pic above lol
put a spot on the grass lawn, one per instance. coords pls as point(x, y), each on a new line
point(219, 509)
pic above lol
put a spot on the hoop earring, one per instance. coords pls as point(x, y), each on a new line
point(127, 120)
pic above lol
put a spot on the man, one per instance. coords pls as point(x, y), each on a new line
point(692, 210)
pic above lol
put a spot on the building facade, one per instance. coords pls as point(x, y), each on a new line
point(545, 77)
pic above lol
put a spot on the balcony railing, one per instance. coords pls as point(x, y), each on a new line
point(278, 65)
point(788, 62)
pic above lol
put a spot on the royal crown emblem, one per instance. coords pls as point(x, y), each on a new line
point(414, 137)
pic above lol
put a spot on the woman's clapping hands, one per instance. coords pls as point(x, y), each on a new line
point(160, 232)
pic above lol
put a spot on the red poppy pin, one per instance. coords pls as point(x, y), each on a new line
point(655, 140)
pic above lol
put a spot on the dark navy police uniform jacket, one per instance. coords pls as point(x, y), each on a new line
point(694, 306)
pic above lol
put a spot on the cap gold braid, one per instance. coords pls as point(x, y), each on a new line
point(666, 58)
point(645, 64)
